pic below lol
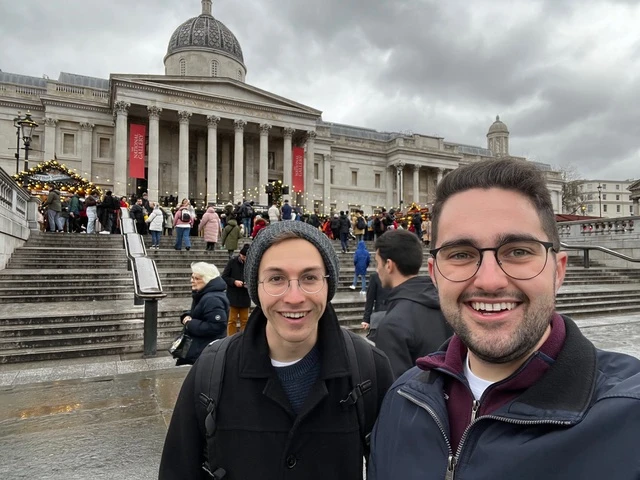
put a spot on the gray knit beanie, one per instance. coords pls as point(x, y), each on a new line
point(301, 229)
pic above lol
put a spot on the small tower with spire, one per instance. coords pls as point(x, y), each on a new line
point(207, 7)
point(498, 138)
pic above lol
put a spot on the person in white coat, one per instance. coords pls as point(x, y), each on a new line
point(155, 221)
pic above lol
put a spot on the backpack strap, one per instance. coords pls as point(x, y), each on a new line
point(208, 387)
point(363, 381)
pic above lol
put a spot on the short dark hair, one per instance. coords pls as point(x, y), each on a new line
point(519, 176)
point(403, 248)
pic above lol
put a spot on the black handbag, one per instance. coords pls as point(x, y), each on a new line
point(181, 345)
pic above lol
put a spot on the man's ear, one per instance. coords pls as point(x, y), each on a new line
point(432, 272)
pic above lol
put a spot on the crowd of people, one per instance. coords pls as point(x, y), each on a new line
point(469, 372)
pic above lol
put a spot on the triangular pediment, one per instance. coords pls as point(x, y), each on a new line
point(225, 88)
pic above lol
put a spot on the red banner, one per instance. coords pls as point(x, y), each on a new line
point(137, 143)
point(297, 169)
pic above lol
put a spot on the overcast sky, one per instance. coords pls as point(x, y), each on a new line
point(563, 75)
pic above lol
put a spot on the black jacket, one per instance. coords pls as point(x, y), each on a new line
point(377, 297)
point(258, 435)
point(579, 421)
point(238, 296)
point(345, 224)
point(413, 326)
point(209, 313)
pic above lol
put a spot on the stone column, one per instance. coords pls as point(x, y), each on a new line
point(212, 159)
point(326, 185)
point(238, 161)
point(308, 176)
point(440, 175)
point(201, 168)
point(400, 182)
point(287, 174)
point(50, 139)
point(183, 156)
point(264, 166)
point(120, 163)
point(86, 142)
point(416, 184)
point(391, 172)
point(225, 181)
point(153, 166)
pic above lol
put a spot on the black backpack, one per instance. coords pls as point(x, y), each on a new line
point(360, 223)
point(185, 216)
point(210, 376)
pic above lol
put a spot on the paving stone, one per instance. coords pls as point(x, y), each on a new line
point(131, 366)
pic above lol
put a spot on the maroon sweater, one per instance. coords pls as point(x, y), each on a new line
point(456, 387)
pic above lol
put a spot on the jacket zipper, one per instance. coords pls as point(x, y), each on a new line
point(453, 459)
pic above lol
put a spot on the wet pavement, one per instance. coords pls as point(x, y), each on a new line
point(106, 417)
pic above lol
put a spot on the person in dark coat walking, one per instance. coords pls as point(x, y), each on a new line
point(237, 293)
point(361, 260)
point(206, 320)
point(375, 306)
point(335, 226)
point(345, 225)
point(280, 412)
point(414, 325)
point(138, 212)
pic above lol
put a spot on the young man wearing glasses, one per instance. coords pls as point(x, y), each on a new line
point(284, 410)
point(518, 392)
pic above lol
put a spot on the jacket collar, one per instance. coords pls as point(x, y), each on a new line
point(254, 355)
point(563, 393)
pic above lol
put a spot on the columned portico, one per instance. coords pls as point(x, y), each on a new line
point(50, 139)
point(153, 179)
point(183, 155)
point(416, 184)
point(120, 163)
point(263, 174)
point(238, 161)
point(287, 176)
point(86, 147)
point(308, 175)
point(212, 159)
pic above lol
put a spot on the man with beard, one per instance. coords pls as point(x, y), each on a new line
point(518, 391)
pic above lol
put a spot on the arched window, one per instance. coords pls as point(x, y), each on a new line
point(214, 68)
point(183, 67)
point(240, 75)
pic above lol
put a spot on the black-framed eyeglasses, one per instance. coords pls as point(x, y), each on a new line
point(518, 259)
point(277, 285)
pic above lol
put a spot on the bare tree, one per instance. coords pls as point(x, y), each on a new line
point(572, 196)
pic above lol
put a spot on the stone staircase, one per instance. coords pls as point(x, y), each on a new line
point(65, 296)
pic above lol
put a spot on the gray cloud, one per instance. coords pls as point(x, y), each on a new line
point(563, 75)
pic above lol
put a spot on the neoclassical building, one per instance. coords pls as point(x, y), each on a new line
point(212, 137)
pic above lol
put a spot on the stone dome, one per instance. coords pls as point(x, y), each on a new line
point(206, 33)
point(498, 127)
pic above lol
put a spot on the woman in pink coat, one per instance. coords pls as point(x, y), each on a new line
point(210, 225)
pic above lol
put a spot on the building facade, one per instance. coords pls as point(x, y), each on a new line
point(212, 137)
point(607, 198)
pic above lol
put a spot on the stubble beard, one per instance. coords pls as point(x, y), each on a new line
point(534, 323)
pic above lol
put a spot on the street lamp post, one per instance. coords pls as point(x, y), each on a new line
point(600, 198)
point(16, 125)
point(27, 125)
point(583, 208)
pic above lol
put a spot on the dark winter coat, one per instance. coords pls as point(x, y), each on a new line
point(53, 201)
point(345, 224)
point(413, 326)
point(578, 421)
point(209, 312)
point(361, 258)
point(238, 296)
point(258, 434)
point(377, 297)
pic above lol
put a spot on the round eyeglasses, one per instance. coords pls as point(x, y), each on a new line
point(520, 259)
point(277, 285)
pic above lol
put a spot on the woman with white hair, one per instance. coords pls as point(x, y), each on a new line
point(206, 321)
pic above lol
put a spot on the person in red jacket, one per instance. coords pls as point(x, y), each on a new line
point(258, 224)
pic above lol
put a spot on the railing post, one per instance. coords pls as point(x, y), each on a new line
point(586, 258)
point(150, 327)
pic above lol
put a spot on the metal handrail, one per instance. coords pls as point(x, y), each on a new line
point(586, 248)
